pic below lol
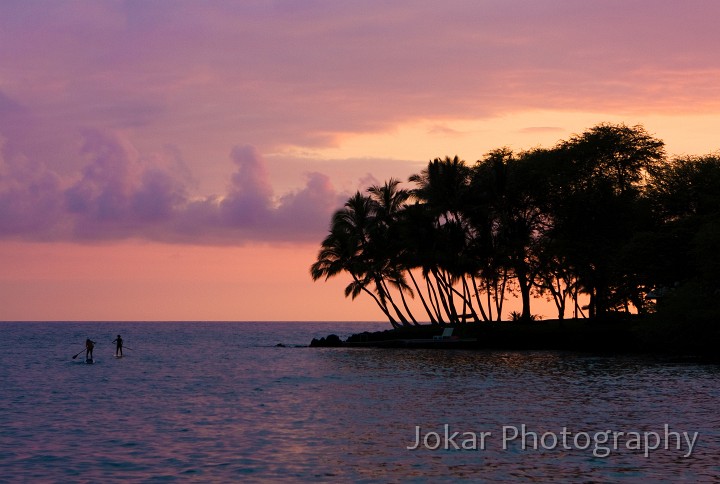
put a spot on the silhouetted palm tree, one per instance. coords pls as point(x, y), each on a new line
point(389, 202)
point(585, 216)
point(348, 249)
point(442, 190)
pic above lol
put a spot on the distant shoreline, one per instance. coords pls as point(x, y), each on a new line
point(627, 336)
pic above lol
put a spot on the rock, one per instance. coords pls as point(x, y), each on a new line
point(331, 341)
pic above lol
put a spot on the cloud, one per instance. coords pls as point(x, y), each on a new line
point(105, 107)
point(29, 206)
point(443, 131)
point(157, 197)
point(541, 130)
point(305, 214)
point(118, 195)
point(301, 75)
point(250, 197)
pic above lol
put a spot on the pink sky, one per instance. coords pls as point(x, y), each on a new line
point(180, 160)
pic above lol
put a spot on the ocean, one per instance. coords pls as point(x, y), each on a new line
point(222, 402)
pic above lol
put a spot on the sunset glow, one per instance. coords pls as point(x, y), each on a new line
point(181, 160)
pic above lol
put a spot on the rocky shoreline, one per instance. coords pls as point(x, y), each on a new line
point(562, 335)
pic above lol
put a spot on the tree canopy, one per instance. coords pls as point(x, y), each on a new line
point(605, 217)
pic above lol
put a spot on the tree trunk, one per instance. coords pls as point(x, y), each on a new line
point(525, 296)
point(422, 299)
point(477, 297)
point(383, 307)
point(407, 309)
point(432, 293)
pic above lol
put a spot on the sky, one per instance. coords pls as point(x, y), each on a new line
point(180, 160)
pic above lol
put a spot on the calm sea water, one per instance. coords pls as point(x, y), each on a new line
point(220, 402)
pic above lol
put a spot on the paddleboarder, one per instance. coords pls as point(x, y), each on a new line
point(118, 348)
point(89, 345)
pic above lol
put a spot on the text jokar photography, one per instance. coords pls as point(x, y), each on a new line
point(602, 443)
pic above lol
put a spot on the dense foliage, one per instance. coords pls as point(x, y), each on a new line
point(605, 218)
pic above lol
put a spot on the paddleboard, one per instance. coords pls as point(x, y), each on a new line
point(118, 356)
point(89, 361)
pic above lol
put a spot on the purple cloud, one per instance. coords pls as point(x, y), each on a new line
point(118, 195)
point(305, 214)
point(248, 202)
point(301, 74)
point(93, 94)
point(30, 207)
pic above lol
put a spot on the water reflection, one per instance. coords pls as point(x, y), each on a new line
point(221, 403)
point(545, 391)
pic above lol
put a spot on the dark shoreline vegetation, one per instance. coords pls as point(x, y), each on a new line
point(632, 336)
point(621, 237)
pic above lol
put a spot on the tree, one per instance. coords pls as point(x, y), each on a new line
point(600, 176)
point(603, 213)
point(685, 196)
point(440, 192)
point(348, 249)
point(508, 218)
point(389, 201)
